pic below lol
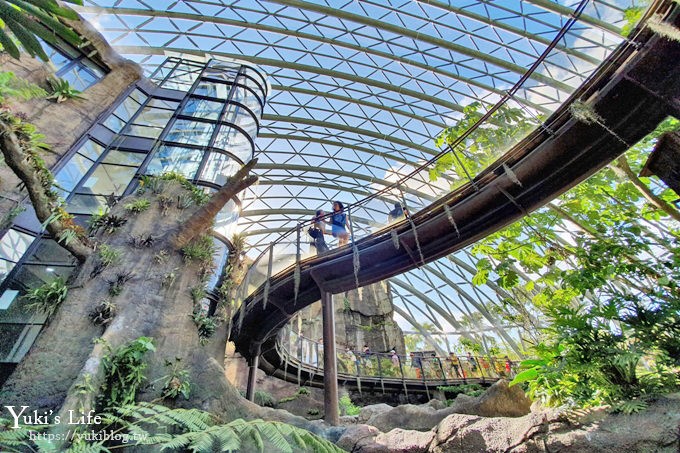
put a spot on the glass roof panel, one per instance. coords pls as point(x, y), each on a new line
point(359, 90)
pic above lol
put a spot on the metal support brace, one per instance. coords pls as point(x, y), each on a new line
point(330, 370)
point(512, 200)
point(252, 373)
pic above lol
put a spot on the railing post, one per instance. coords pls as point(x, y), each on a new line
point(330, 371)
point(252, 373)
point(441, 368)
point(403, 378)
point(382, 382)
point(480, 366)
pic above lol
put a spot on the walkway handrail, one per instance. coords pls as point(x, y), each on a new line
point(420, 366)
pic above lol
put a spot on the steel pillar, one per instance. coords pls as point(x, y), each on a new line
point(330, 370)
point(252, 374)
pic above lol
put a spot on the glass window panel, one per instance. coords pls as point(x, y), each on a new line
point(182, 77)
point(253, 102)
point(80, 78)
point(16, 340)
point(213, 89)
point(93, 68)
point(202, 108)
point(226, 219)
point(191, 132)
point(58, 59)
point(177, 159)
point(241, 117)
point(124, 158)
point(151, 116)
point(219, 167)
point(239, 94)
point(253, 85)
point(127, 109)
point(71, 173)
point(14, 244)
point(222, 72)
point(85, 204)
point(7, 298)
point(163, 104)
point(256, 74)
point(235, 142)
point(91, 150)
point(48, 251)
point(5, 268)
point(143, 131)
point(219, 261)
point(108, 179)
point(114, 123)
point(138, 96)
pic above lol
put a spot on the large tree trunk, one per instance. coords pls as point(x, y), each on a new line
point(18, 160)
point(155, 303)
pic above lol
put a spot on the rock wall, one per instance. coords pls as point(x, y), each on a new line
point(363, 316)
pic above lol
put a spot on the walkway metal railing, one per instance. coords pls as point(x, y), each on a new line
point(419, 367)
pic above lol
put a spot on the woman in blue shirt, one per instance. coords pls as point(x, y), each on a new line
point(339, 224)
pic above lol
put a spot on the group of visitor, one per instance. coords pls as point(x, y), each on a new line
point(340, 224)
point(339, 227)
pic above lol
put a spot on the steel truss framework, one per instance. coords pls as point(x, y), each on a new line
point(359, 90)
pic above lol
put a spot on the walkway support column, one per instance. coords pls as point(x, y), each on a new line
point(330, 370)
point(252, 373)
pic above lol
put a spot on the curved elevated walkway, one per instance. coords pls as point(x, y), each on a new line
point(633, 91)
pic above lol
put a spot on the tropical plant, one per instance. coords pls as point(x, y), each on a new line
point(176, 383)
point(105, 221)
point(484, 145)
point(61, 90)
point(103, 313)
point(263, 398)
point(31, 20)
point(22, 147)
point(347, 407)
point(124, 370)
point(207, 325)
point(48, 297)
point(12, 87)
point(137, 206)
point(116, 285)
point(109, 255)
point(607, 293)
point(200, 250)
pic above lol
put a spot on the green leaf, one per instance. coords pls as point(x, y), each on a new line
point(526, 375)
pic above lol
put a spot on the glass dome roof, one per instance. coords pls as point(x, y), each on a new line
point(359, 90)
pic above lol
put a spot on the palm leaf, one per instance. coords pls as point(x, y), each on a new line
point(52, 7)
point(8, 45)
point(52, 24)
point(27, 19)
point(21, 27)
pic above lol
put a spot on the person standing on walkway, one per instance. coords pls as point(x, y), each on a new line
point(339, 223)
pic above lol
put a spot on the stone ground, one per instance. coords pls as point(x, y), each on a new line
point(501, 421)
